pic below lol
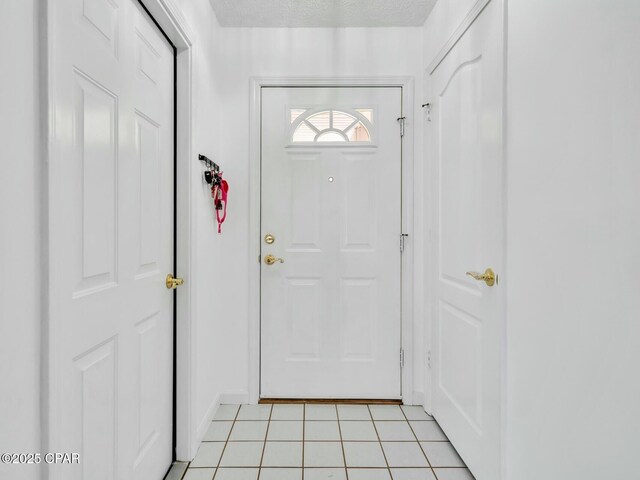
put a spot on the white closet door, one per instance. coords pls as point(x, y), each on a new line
point(465, 141)
point(111, 236)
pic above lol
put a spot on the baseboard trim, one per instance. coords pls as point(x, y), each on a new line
point(234, 398)
point(203, 426)
point(418, 398)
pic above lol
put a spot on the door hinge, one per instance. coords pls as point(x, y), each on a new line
point(402, 358)
point(403, 236)
point(429, 359)
point(401, 121)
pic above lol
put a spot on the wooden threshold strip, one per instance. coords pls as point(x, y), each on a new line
point(348, 401)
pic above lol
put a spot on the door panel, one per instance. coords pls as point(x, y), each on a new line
point(330, 318)
point(111, 237)
point(465, 138)
point(93, 386)
point(94, 185)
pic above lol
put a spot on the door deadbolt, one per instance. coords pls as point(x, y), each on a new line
point(269, 239)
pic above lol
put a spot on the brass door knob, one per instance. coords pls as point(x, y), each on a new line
point(271, 259)
point(488, 277)
point(172, 282)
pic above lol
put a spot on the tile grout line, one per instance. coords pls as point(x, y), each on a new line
point(264, 445)
point(344, 456)
point(226, 442)
point(380, 442)
point(419, 444)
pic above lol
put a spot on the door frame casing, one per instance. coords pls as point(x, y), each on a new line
point(406, 83)
point(170, 19)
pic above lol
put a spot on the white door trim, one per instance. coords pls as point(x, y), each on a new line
point(457, 34)
point(170, 18)
point(407, 85)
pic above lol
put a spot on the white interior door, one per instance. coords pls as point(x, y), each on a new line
point(331, 198)
point(465, 135)
point(111, 241)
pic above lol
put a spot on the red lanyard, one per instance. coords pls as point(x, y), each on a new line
point(219, 192)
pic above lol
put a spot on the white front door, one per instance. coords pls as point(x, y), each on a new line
point(465, 141)
point(331, 200)
point(111, 241)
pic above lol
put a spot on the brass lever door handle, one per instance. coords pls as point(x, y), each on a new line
point(172, 282)
point(488, 277)
point(271, 259)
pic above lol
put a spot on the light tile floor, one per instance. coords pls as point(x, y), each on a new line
point(324, 442)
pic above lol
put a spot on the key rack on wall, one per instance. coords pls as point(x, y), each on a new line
point(209, 163)
point(219, 188)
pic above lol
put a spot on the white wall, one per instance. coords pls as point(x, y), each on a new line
point(283, 52)
point(20, 180)
point(573, 239)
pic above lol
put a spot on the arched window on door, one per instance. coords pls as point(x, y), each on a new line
point(331, 125)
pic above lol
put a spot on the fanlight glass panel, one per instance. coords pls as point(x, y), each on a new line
point(296, 112)
point(331, 126)
point(304, 133)
point(342, 120)
point(366, 113)
point(331, 136)
point(358, 133)
point(321, 121)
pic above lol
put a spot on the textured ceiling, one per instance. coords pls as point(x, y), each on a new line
point(322, 13)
